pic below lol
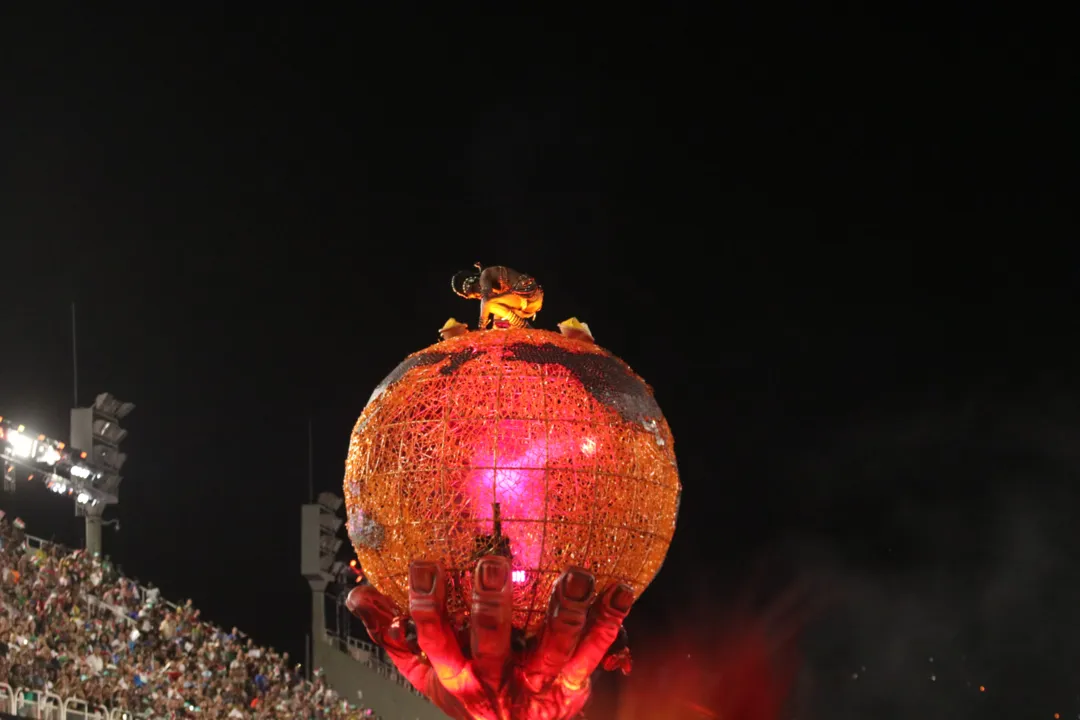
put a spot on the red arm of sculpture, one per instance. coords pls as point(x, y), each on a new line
point(550, 681)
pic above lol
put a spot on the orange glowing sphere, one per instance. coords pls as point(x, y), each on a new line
point(556, 433)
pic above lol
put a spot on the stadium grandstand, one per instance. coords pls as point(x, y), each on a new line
point(80, 642)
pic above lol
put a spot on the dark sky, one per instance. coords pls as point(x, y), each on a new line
point(836, 244)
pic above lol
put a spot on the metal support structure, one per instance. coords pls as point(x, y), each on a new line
point(318, 614)
point(98, 428)
point(319, 526)
point(93, 529)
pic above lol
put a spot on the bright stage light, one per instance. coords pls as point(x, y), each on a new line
point(21, 445)
point(64, 468)
point(48, 454)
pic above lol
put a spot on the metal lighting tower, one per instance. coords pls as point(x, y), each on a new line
point(319, 546)
point(98, 428)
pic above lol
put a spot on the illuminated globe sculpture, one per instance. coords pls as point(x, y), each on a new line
point(545, 448)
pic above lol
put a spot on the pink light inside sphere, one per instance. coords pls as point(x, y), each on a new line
point(513, 475)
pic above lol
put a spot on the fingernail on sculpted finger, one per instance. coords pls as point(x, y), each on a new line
point(494, 573)
point(370, 609)
point(578, 585)
point(621, 598)
point(422, 578)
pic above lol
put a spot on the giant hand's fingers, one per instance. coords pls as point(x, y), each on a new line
point(434, 633)
point(567, 612)
point(385, 626)
point(618, 655)
point(374, 609)
point(607, 615)
point(492, 613)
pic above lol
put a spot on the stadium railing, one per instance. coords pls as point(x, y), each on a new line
point(25, 703)
point(373, 656)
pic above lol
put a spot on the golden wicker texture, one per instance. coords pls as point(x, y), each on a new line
point(561, 434)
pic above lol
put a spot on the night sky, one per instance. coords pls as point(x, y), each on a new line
point(835, 244)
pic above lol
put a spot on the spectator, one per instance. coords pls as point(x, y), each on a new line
point(71, 625)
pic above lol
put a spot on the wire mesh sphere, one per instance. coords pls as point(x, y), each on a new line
point(522, 442)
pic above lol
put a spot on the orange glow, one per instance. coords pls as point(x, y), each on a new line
point(736, 663)
point(702, 711)
point(83, 455)
point(557, 431)
point(982, 688)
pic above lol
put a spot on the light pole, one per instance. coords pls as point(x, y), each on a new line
point(98, 428)
point(320, 525)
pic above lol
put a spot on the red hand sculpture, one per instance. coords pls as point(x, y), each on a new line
point(487, 680)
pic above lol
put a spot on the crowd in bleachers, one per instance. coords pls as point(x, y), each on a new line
point(71, 625)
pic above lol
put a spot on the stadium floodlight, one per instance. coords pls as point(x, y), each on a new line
point(329, 545)
point(109, 483)
point(83, 472)
point(107, 405)
point(45, 457)
point(331, 539)
point(322, 557)
point(330, 502)
point(98, 428)
point(109, 458)
point(21, 445)
point(345, 573)
point(47, 454)
point(330, 524)
point(109, 431)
